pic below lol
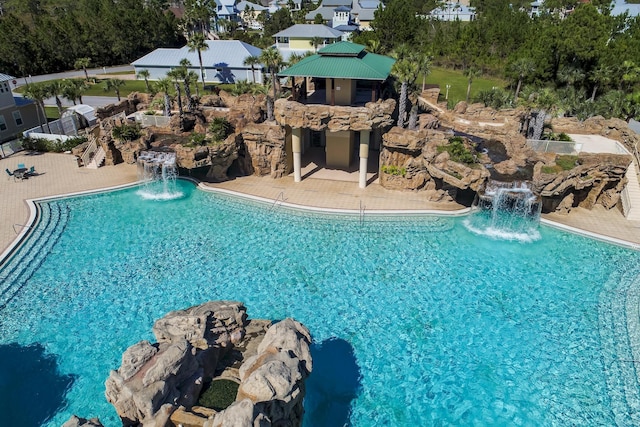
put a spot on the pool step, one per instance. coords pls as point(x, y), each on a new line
point(619, 320)
point(17, 271)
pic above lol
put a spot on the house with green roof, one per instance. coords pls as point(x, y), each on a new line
point(350, 81)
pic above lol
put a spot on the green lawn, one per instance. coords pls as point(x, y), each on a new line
point(97, 88)
point(458, 82)
point(51, 112)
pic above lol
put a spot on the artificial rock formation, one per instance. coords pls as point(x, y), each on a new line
point(265, 150)
point(595, 179)
point(410, 160)
point(610, 128)
point(159, 384)
point(334, 118)
point(171, 372)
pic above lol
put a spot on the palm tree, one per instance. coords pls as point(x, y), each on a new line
point(406, 72)
point(73, 90)
point(373, 46)
point(187, 77)
point(82, 63)
point(175, 75)
point(145, 74)
point(570, 75)
point(424, 68)
point(164, 85)
point(38, 92)
point(55, 88)
point(198, 43)
point(316, 41)
point(471, 73)
point(114, 85)
point(252, 61)
point(272, 59)
point(601, 76)
point(522, 67)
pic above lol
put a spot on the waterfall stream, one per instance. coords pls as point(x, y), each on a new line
point(507, 211)
point(158, 171)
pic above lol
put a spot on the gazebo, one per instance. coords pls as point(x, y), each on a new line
point(344, 74)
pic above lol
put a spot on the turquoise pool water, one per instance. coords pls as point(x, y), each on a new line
point(416, 321)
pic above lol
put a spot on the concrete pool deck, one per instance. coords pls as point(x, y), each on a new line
point(59, 174)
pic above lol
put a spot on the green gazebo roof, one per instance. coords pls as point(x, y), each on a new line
point(342, 60)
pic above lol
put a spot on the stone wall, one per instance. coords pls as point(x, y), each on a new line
point(265, 150)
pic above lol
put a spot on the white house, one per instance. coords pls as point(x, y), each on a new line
point(453, 11)
point(223, 61)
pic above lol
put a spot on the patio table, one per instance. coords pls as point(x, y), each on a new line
point(20, 172)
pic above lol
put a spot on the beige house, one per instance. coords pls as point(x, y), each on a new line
point(17, 114)
point(300, 38)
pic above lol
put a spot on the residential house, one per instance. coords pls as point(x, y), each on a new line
point(223, 61)
point(363, 12)
point(343, 74)
point(17, 114)
point(249, 14)
point(298, 39)
point(453, 11)
point(226, 12)
point(360, 13)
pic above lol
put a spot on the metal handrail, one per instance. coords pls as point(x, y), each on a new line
point(280, 199)
point(362, 208)
point(90, 150)
point(20, 225)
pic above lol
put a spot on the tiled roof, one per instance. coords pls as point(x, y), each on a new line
point(227, 53)
point(257, 7)
point(6, 77)
point(343, 60)
point(308, 31)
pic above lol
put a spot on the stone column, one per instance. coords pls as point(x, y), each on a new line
point(296, 148)
point(364, 157)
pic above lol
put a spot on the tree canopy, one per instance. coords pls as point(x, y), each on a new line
point(45, 36)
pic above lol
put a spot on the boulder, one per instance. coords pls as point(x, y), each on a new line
point(154, 379)
point(75, 421)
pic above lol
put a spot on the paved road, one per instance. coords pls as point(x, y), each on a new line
point(94, 101)
point(96, 72)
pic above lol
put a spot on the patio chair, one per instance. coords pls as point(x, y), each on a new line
point(32, 171)
point(20, 165)
point(10, 174)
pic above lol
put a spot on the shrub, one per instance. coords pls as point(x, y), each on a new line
point(220, 129)
point(219, 395)
point(197, 139)
point(394, 170)
point(127, 132)
point(54, 146)
point(457, 150)
point(562, 163)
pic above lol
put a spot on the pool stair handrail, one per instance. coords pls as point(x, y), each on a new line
point(278, 200)
point(362, 209)
point(20, 225)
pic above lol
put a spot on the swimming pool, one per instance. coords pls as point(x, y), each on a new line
point(416, 320)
